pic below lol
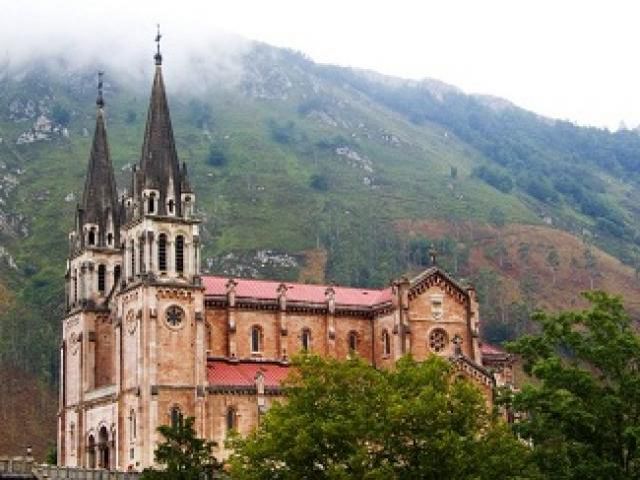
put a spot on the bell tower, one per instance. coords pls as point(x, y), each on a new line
point(161, 301)
point(91, 279)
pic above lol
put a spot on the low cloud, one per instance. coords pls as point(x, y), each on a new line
point(119, 39)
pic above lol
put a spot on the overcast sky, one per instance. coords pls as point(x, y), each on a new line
point(575, 60)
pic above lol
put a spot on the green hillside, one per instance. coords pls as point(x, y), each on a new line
point(296, 157)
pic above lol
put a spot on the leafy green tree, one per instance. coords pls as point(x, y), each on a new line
point(582, 414)
point(346, 420)
point(183, 455)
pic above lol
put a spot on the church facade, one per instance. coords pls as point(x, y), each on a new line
point(147, 338)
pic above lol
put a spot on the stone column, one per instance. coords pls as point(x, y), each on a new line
point(83, 282)
point(141, 254)
point(171, 256)
point(231, 326)
point(152, 251)
point(473, 325)
point(200, 373)
point(281, 338)
point(330, 298)
point(401, 314)
point(196, 255)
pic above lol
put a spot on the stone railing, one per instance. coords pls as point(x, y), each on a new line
point(16, 465)
point(42, 472)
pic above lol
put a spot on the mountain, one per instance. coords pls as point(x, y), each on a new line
point(322, 173)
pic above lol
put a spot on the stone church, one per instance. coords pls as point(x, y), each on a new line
point(147, 338)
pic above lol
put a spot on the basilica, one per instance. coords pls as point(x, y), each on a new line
point(147, 338)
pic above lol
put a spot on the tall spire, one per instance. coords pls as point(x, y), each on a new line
point(99, 199)
point(159, 165)
point(100, 99)
point(158, 55)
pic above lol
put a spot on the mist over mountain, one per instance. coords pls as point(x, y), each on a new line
point(317, 173)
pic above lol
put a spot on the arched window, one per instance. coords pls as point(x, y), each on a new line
point(353, 342)
point(231, 419)
point(170, 205)
point(110, 239)
point(176, 417)
point(162, 252)
point(179, 254)
point(256, 339)
point(102, 274)
point(91, 452)
point(305, 339)
point(92, 236)
point(116, 274)
point(133, 259)
point(152, 203)
point(386, 343)
point(132, 425)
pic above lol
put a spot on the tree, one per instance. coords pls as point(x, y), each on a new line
point(582, 414)
point(346, 420)
point(183, 455)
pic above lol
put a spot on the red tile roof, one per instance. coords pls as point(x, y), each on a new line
point(297, 292)
point(243, 374)
point(488, 349)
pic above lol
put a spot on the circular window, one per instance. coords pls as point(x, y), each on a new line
point(438, 340)
point(174, 316)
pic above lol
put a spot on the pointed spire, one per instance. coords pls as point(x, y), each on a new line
point(158, 55)
point(99, 199)
point(100, 99)
point(159, 165)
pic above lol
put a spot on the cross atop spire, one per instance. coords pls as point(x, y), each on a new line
point(158, 55)
point(100, 99)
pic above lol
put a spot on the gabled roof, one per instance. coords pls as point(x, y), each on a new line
point(433, 272)
point(297, 292)
point(242, 374)
point(492, 354)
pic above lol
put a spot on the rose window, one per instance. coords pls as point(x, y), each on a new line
point(174, 316)
point(438, 340)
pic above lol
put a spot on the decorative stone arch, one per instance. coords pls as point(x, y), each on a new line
point(104, 440)
point(92, 448)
